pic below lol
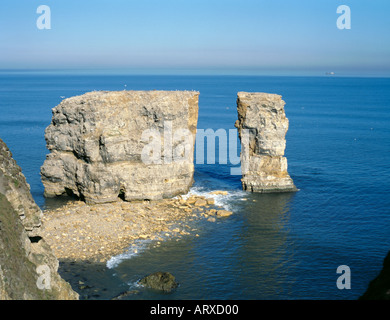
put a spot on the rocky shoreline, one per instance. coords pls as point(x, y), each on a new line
point(129, 156)
point(96, 232)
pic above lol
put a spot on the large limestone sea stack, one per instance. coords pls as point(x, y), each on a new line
point(262, 125)
point(98, 140)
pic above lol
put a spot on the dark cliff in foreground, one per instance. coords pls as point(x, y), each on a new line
point(379, 288)
point(28, 267)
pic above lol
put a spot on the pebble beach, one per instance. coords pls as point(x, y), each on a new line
point(81, 232)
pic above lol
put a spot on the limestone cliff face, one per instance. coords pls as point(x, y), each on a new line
point(28, 267)
point(14, 186)
point(262, 126)
point(98, 142)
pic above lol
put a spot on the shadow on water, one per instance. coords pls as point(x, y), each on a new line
point(335, 154)
point(240, 257)
point(264, 255)
point(92, 281)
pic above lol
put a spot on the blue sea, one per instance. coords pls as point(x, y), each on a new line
point(275, 246)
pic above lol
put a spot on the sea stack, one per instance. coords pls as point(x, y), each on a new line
point(136, 145)
point(262, 125)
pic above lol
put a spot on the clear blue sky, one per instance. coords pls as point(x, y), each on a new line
point(221, 36)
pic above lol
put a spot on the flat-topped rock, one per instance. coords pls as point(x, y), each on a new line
point(133, 144)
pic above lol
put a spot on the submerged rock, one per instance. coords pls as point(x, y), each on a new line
point(28, 267)
point(126, 294)
point(163, 281)
point(135, 145)
point(264, 167)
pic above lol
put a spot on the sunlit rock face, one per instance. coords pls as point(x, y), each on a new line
point(133, 144)
point(262, 126)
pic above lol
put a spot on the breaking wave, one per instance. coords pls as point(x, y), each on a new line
point(133, 251)
point(226, 201)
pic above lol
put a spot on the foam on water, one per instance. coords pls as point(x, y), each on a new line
point(138, 247)
point(134, 284)
point(225, 201)
point(222, 200)
point(291, 245)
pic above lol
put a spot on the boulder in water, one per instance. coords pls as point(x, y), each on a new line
point(163, 281)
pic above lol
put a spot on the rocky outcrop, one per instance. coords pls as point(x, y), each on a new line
point(262, 127)
point(14, 186)
point(379, 288)
point(133, 144)
point(162, 281)
point(28, 268)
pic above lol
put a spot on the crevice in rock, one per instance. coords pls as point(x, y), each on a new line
point(122, 194)
point(71, 194)
point(35, 239)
